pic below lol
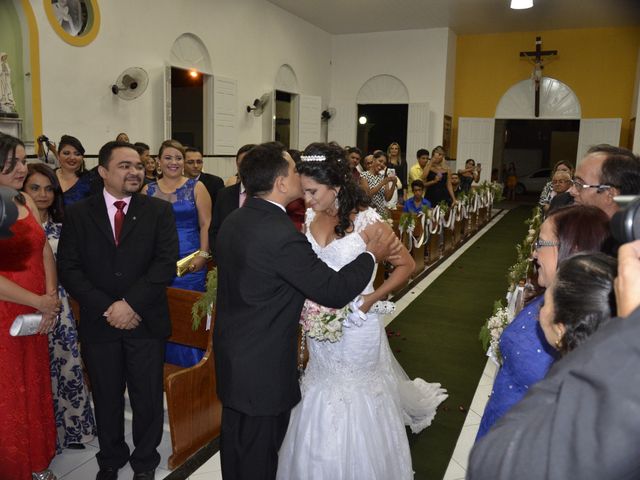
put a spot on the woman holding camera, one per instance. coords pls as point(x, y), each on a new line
point(438, 181)
point(28, 284)
point(378, 186)
point(469, 174)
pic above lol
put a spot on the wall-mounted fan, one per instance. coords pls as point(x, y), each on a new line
point(131, 83)
point(258, 105)
point(328, 114)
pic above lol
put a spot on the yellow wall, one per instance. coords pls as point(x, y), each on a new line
point(599, 64)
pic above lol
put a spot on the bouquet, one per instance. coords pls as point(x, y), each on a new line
point(323, 323)
point(493, 328)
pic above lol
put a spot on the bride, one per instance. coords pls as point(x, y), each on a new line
point(356, 398)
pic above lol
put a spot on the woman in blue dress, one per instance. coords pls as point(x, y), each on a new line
point(75, 422)
point(526, 355)
point(192, 208)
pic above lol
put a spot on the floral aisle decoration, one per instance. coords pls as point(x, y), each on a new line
point(204, 306)
point(518, 277)
point(492, 330)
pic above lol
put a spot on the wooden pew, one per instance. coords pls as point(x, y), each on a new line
point(194, 409)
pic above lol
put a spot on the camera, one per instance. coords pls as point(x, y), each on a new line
point(43, 139)
point(625, 224)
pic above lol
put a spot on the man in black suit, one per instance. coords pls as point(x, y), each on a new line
point(231, 197)
point(117, 254)
point(582, 420)
point(266, 269)
point(193, 163)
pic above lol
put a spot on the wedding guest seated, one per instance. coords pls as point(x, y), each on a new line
point(579, 300)
point(526, 356)
point(547, 193)
point(416, 203)
point(455, 184)
point(560, 197)
point(71, 402)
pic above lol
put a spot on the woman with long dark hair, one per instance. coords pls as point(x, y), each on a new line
point(28, 284)
point(74, 416)
point(356, 398)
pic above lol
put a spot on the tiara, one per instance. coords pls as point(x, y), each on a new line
point(313, 158)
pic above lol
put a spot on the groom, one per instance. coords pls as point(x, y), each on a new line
point(266, 269)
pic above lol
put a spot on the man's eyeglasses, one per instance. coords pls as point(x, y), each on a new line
point(599, 188)
point(545, 243)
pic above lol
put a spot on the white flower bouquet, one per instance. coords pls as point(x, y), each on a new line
point(323, 323)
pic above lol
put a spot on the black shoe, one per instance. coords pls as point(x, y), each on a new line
point(107, 473)
point(150, 475)
point(76, 446)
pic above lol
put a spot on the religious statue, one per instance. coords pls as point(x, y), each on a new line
point(7, 103)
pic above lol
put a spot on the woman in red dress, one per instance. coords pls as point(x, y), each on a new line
point(27, 273)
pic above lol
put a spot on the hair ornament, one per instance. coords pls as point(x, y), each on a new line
point(313, 158)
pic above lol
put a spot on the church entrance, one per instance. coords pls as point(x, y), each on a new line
point(380, 125)
point(533, 146)
point(187, 107)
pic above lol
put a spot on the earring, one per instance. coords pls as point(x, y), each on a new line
point(336, 203)
point(558, 342)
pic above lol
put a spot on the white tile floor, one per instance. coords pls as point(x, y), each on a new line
point(82, 464)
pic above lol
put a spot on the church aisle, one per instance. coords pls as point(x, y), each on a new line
point(435, 336)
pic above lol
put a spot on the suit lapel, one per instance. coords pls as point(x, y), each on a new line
point(98, 211)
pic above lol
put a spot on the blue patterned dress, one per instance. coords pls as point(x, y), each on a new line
point(526, 359)
point(72, 406)
point(188, 226)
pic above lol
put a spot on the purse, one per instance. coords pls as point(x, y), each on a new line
point(25, 324)
point(182, 265)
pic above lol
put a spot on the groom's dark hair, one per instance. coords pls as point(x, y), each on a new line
point(261, 166)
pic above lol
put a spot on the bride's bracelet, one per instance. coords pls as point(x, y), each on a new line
point(383, 307)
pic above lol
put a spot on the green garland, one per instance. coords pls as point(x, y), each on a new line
point(407, 221)
point(204, 306)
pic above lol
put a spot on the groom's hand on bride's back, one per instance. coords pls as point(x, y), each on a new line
point(383, 244)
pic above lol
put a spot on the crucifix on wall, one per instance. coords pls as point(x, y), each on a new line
point(537, 58)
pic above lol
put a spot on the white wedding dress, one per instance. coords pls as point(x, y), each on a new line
point(356, 398)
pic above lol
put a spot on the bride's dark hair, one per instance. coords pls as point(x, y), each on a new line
point(334, 171)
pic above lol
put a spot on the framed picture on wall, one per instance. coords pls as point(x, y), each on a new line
point(75, 21)
point(446, 134)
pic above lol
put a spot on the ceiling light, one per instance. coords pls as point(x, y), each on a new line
point(521, 4)
point(193, 73)
point(362, 120)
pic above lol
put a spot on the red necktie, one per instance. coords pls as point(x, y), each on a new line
point(118, 219)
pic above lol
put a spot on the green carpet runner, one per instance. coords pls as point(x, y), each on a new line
point(436, 337)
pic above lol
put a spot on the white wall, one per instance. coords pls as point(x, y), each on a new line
point(247, 40)
point(419, 58)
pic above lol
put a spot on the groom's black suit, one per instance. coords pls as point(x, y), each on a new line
point(266, 269)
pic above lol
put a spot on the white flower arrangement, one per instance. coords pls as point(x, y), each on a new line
point(323, 323)
point(493, 328)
